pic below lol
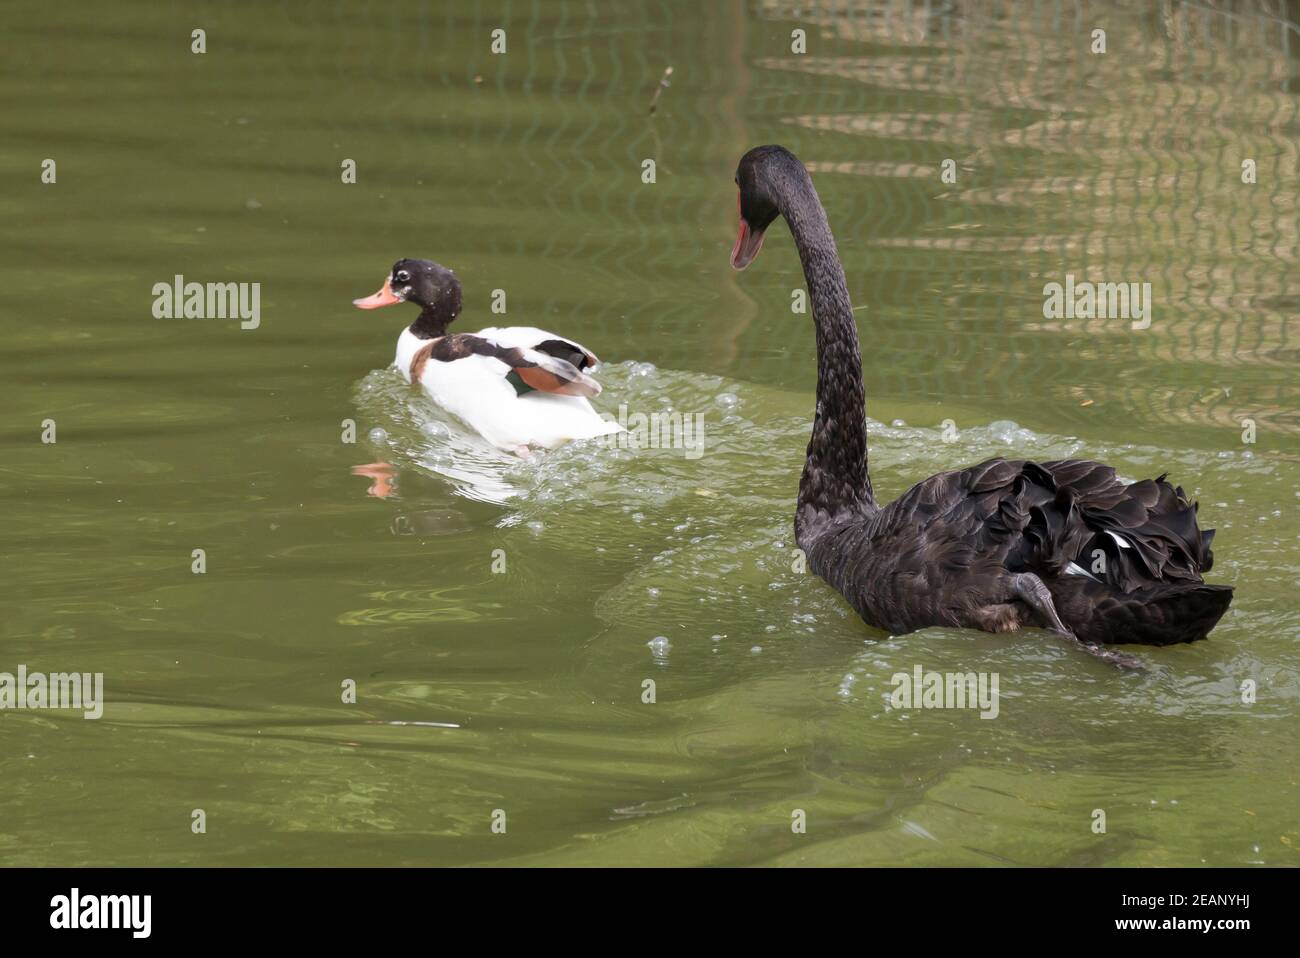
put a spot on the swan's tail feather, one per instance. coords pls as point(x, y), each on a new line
point(1164, 614)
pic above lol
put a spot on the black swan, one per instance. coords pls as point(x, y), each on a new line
point(1009, 543)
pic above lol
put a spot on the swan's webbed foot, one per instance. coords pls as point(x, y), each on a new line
point(1121, 659)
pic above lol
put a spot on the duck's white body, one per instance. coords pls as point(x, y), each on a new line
point(475, 390)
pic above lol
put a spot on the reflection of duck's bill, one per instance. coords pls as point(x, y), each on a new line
point(385, 297)
point(748, 242)
point(382, 473)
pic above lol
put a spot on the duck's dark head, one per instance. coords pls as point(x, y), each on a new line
point(432, 287)
point(765, 175)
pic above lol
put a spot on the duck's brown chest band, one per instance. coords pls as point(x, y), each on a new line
point(420, 360)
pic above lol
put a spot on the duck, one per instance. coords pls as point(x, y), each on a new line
point(518, 387)
point(1007, 544)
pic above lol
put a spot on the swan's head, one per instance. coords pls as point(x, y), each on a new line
point(765, 174)
point(419, 281)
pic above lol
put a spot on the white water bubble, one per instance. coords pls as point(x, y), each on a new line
point(435, 430)
point(378, 435)
point(660, 646)
point(1006, 431)
point(727, 400)
point(643, 370)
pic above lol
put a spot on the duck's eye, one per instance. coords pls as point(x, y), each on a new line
point(403, 276)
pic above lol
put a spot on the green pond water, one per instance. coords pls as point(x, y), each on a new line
point(499, 618)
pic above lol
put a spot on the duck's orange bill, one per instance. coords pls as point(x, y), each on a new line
point(384, 297)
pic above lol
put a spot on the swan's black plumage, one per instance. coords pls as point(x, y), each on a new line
point(1001, 545)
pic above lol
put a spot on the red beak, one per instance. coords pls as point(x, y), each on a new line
point(748, 243)
point(385, 297)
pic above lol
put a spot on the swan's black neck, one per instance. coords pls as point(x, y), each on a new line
point(835, 484)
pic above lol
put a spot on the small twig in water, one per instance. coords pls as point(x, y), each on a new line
point(664, 84)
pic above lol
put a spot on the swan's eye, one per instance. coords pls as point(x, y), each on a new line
point(403, 276)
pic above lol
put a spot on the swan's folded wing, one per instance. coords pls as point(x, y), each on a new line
point(1058, 518)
